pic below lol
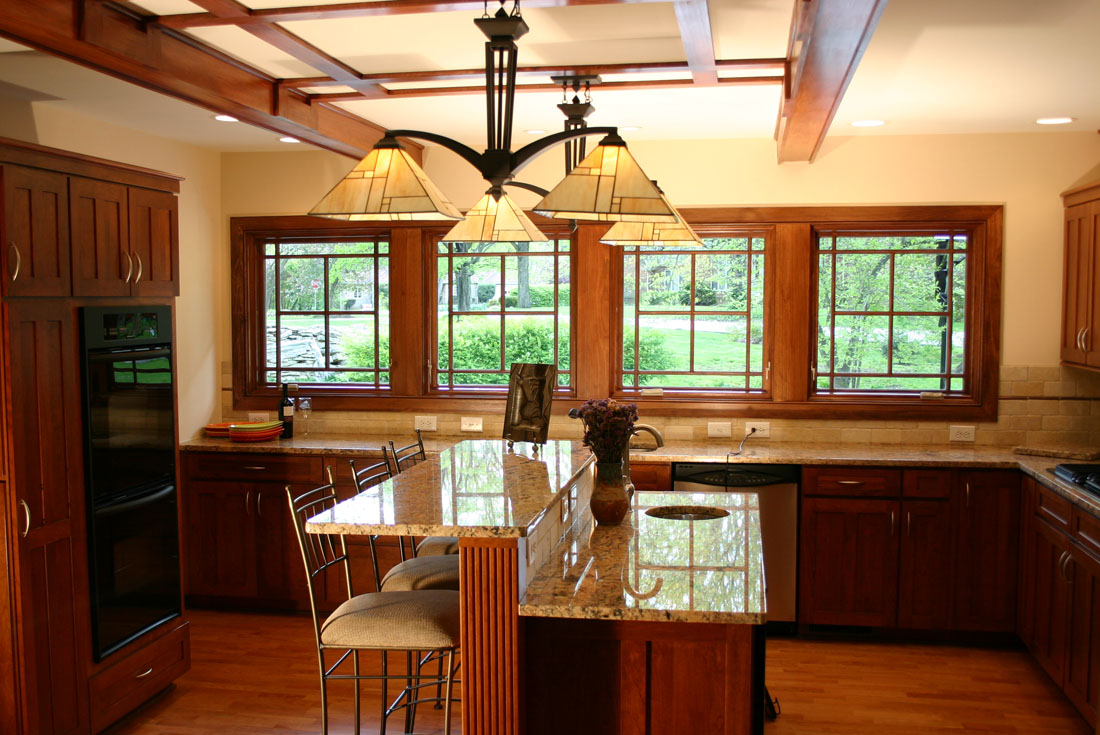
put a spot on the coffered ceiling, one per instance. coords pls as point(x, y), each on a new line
point(336, 73)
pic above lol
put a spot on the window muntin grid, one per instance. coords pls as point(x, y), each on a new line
point(695, 315)
point(486, 319)
point(892, 311)
point(326, 312)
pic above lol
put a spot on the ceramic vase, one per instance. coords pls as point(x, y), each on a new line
point(610, 501)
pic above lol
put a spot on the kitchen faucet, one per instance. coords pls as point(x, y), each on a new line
point(646, 429)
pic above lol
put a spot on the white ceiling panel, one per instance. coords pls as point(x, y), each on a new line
point(242, 45)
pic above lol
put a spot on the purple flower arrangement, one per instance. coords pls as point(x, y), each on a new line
point(608, 426)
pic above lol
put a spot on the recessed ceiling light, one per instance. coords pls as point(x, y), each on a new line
point(535, 131)
point(288, 139)
point(225, 118)
point(1055, 120)
point(868, 123)
point(629, 128)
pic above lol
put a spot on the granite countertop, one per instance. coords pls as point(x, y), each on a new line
point(476, 488)
point(705, 571)
point(364, 445)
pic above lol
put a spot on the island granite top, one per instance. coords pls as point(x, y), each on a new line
point(657, 569)
point(477, 488)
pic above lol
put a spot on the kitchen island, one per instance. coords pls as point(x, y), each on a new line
point(567, 627)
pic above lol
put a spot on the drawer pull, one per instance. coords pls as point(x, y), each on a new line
point(255, 467)
point(18, 262)
point(27, 512)
point(849, 482)
point(145, 673)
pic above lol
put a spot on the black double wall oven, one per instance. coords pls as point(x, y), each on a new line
point(129, 435)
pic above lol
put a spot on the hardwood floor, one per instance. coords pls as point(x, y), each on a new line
point(258, 674)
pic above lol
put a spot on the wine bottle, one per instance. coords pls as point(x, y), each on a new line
point(286, 413)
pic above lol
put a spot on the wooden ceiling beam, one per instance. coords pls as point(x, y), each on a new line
point(828, 38)
point(356, 10)
point(112, 39)
point(694, 19)
point(295, 46)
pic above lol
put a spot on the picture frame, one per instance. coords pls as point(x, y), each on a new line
point(530, 393)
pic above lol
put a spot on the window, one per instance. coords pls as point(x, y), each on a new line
point(499, 303)
point(326, 311)
point(892, 311)
point(695, 317)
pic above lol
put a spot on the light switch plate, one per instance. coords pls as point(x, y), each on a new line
point(763, 428)
point(961, 433)
point(719, 428)
point(424, 423)
point(259, 416)
point(471, 423)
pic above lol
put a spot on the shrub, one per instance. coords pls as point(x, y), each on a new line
point(541, 296)
point(655, 354)
point(485, 291)
point(359, 352)
point(477, 347)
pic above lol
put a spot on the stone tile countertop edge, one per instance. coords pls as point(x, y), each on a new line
point(947, 457)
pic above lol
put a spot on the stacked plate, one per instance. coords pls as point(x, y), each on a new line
point(256, 431)
point(218, 430)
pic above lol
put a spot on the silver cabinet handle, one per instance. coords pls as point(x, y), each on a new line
point(908, 523)
point(130, 268)
point(891, 523)
point(27, 512)
point(1085, 339)
point(1067, 557)
point(140, 269)
point(18, 262)
point(255, 467)
point(968, 495)
point(145, 673)
point(849, 482)
point(260, 503)
point(247, 501)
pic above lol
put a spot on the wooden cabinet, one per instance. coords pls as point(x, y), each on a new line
point(849, 561)
point(651, 476)
point(51, 620)
point(102, 263)
point(1081, 278)
point(240, 547)
point(988, 550)
point(926, 576)
point(1081, 570)
point(34, 230)
point(154, 244)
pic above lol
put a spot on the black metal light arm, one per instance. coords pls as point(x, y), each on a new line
point(469, 154)
point(529, 187)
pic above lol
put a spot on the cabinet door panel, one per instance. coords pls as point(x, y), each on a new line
point(101, 261)
point(221, 558)
point(279, 574)
point(154, 242)
point(35, 233)
point(1077, 282)
point(1048, 627)
point(1090, 340)
point(988, 551)
point(926, 577)
point(849, 567)
point(1083, 649)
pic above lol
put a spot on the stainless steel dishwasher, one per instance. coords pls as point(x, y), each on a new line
point(777, 487)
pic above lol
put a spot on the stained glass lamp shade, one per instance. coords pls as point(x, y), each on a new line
point(495, 219)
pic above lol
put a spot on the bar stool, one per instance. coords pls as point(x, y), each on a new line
point(409, 622)
point(410, 456)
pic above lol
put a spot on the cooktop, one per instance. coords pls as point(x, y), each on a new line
point(1086, 476)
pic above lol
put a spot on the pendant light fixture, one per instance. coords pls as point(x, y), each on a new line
point(656, 234)
point(612, 186)
point(495, 218)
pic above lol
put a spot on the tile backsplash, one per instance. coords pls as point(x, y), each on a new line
point(1038, 405)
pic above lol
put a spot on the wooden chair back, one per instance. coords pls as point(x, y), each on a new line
point(408, 456)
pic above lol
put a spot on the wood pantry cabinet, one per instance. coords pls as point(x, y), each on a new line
point(1081, 277)
point(1060, 595)
point(888, 548)
point(49, 684)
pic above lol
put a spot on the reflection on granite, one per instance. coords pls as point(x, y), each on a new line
point(657, 569)
point(360, 446)
point(477, 488)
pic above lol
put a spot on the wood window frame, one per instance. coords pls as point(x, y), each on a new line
point(790, 279)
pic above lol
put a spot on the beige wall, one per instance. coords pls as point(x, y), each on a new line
point(203, 275)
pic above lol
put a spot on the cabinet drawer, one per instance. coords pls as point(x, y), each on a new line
point(258, 467)
point(1054, 508)
point(851, 481)
point(125, 685)
point(930, 484)
point(651, 476)
point(1085, 529)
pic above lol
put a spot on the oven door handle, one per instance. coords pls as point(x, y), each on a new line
point(129, 354)
point(126, 505)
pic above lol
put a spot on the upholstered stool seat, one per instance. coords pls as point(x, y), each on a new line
point(422, 573)
point(419, 621)
point(437, 546)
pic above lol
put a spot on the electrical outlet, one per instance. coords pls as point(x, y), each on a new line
point(763, 428)
point(424, 423)
point(719, 428)
point(471, 423)
point(259, 416)
point(961, 433)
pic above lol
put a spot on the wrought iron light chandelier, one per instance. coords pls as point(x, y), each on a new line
point(605, 185)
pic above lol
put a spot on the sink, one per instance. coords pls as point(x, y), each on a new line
point(687, 512)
